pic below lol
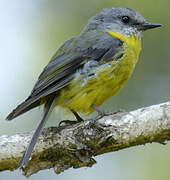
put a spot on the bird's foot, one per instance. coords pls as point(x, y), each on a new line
point(70, 122)
point(67, 123)
point(102, 113)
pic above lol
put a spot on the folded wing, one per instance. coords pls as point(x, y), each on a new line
point(60, 70)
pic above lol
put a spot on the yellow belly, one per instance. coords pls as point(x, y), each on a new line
point(109, 79)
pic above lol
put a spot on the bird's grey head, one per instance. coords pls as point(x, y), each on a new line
point(121, 20)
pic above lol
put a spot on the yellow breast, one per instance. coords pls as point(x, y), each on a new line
point(110, 78)
point(132, 43)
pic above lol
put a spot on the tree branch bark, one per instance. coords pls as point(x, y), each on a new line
point(75, 146)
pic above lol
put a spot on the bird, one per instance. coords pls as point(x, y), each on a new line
point(87, 69)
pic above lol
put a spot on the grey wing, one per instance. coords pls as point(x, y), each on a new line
point(57, 74)
point(49, 82)
point(60, 70)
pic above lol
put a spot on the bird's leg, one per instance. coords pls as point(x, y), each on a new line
point(69, 122)
point(79, 119)
point(100, 112)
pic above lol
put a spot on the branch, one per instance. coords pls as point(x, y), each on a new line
point(74, 146)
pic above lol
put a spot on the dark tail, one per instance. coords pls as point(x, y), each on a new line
point(27, 153)
point(28, 104)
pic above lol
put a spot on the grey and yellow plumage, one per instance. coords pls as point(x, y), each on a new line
point(88, 68)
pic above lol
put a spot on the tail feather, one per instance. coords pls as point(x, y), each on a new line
point(30, 103)
point(22, 108)
point(27, 153)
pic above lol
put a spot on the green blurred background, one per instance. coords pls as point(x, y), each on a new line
point(30, 33)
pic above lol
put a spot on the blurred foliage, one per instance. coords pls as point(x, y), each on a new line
point(31, 31)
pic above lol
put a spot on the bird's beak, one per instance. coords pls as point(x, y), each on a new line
point(148, 25)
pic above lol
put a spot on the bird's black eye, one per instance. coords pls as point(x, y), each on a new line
point(125, 19)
